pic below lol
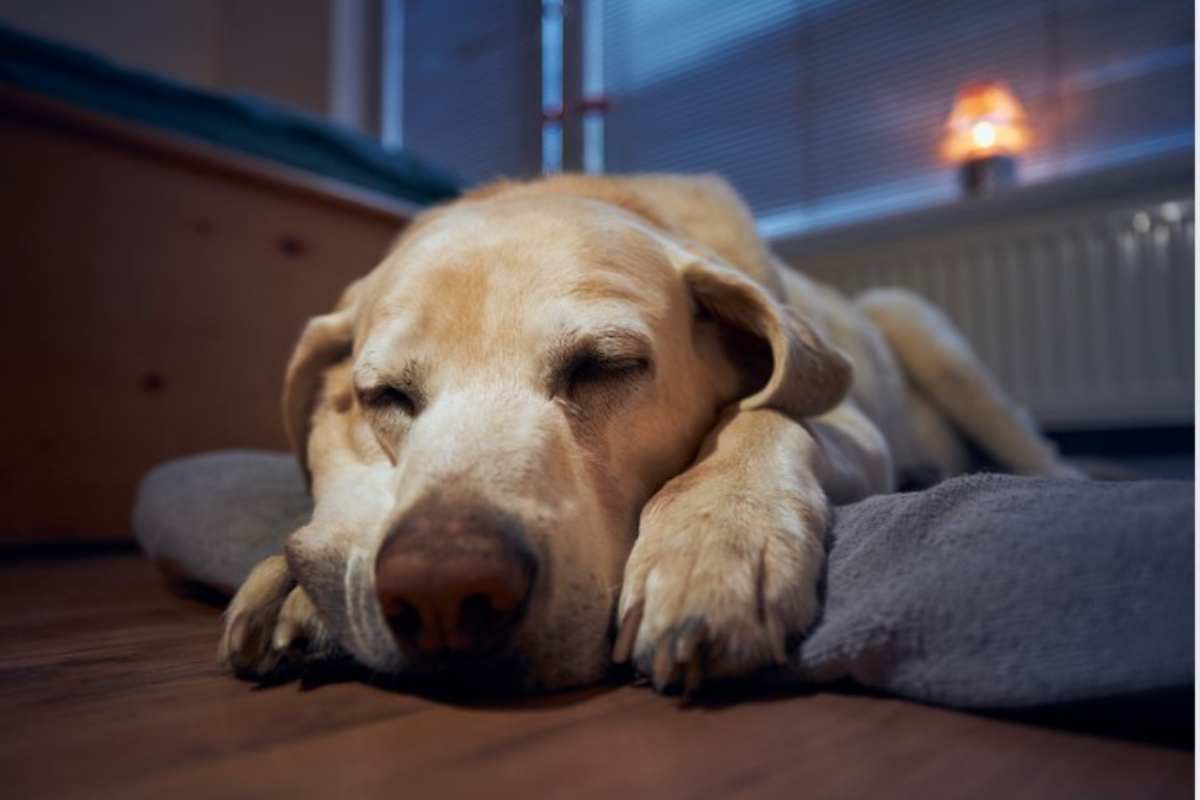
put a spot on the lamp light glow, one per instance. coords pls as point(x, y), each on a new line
point(983, 134)
point(987, 120)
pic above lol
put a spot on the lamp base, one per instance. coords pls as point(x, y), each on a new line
point(980, 177)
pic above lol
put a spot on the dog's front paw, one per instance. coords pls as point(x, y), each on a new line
point(715, 597)
point(271, 624)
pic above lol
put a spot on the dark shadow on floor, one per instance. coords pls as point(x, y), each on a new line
point(1164, 718)
point(481, 690)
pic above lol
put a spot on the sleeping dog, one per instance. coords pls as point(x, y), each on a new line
point(583, 420)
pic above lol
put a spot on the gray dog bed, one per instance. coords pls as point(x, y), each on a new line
point(986, 592)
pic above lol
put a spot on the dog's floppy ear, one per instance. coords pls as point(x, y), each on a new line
point(324, 341)
point(805, 376)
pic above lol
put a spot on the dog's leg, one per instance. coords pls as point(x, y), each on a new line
point(938, 451)
point(728, 554)
point(271, 622)
point(938, 359)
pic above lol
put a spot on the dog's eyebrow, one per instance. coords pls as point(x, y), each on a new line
point(611, 343)
point(609, 286)
point(410, 376)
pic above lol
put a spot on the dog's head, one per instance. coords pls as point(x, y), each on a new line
point(483, 417)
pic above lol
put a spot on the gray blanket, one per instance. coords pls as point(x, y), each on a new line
point(987, 591)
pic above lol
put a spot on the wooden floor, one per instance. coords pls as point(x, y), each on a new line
point(108, 689)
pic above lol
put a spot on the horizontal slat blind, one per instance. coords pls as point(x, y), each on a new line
point(819, 106)
point(883, 76)
point(1125, 80)
point(706, 86)
point(472, 85)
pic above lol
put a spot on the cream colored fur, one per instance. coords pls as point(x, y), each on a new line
point(683, 499)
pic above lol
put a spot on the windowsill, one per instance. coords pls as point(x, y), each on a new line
point(1164, 178)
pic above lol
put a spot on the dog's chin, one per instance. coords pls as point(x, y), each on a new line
point(508, 673)
point(533, 663)
point(570, 670)
point(479, 677)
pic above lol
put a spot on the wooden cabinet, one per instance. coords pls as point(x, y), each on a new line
point(152, 289)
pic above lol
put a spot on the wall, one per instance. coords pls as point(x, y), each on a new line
point(275, 48)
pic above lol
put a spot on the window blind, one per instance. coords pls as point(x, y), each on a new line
point(472, 85)
point(821, 111)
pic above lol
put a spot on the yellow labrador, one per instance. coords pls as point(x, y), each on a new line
point(589, 419)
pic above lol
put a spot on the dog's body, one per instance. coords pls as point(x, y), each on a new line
point(582, 397)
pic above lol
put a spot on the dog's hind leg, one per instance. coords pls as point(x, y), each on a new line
point(942, 366)
point(937, 451)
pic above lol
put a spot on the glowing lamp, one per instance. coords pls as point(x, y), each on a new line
point(986, 130)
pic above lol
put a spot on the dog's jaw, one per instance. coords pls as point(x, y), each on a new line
point(366, 635)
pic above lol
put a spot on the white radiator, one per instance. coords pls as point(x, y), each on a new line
point(1086, 316)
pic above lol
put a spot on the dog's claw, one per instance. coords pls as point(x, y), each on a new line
point(247, 651)
point(300, 634)
point(286, 633)
point(678, 660)
point(693, 676)
point(665, 667)
point(627, 634)
point(237, 635)
point(686, 642)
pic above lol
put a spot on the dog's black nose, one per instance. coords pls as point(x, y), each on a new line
point(454, 582)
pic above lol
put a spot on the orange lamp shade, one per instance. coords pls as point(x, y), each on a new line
point(987, 120)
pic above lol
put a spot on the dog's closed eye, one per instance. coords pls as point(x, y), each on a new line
point(592, 368)
point(390, 398)
point(390, 409)
point(603, 363)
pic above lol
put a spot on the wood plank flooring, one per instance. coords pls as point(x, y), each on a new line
point(108, 688)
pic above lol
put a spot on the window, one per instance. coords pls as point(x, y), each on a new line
point(825, 111)
point(821, 112)
point(469, 77)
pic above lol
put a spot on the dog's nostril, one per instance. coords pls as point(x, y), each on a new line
point(477, 618)
point(405, 620)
